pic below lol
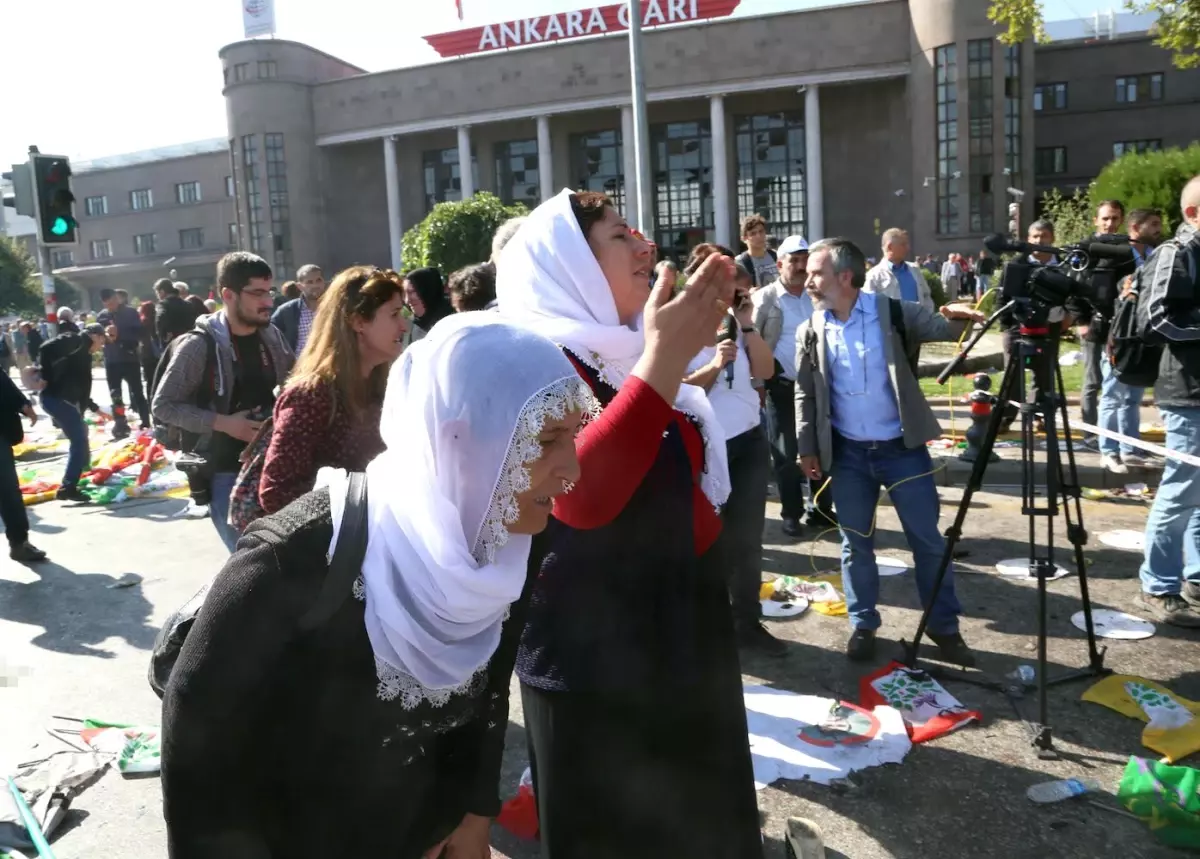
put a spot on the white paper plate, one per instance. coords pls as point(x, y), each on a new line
point(890, 566)
point(1125, 539)
point(1018, 568)
point(770, 608)
point(1110, 623)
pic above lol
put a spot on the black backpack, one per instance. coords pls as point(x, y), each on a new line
point(344, 568)
point(1134, 361)
point(174, 438)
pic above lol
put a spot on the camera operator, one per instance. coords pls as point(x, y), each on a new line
point(1120, 404)
point(1095, 316)
point(1170, 307)
point(221, 378)
point(1041, 232)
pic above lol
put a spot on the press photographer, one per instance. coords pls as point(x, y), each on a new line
point(1094, 314)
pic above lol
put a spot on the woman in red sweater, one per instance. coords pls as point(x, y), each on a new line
point(628, 663)
point(328, 414)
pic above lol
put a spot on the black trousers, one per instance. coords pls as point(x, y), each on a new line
point(781, 429)
point(12, 505)
point(742, 518)
point(131, 374)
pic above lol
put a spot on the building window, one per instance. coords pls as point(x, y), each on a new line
point(191, 239)
point(443, 180)
point(141, 199)
point(682, 170)
point(1135, 88)
point(266, 68)
point(1050, 160)
point(61, 258)
point(233, 236)
point(101, 248)
point(253, 192)
point(770, 170)
point(277, 198)
point(517, 172)
point(187, 192)
point(980, 199)
point(1012, 113)
point(1048, 97)
point(946, 97)
point(597, 164)
point(144, 244)
point(1125, 147)
point(241, 72)
point(230, 191)
point(96, 205)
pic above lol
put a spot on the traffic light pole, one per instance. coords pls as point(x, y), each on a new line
point(48, 295)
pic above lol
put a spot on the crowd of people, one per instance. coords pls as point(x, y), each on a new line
point(555, 462)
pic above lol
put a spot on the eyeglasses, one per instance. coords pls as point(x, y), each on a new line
point(259, 293)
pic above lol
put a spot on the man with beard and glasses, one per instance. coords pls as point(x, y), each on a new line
point(295, 318)
point(220, 380)
point(1121, 404)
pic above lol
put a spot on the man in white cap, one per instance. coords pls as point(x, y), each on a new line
point(780, 308)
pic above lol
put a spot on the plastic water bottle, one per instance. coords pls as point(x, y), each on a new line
point(1056, 791)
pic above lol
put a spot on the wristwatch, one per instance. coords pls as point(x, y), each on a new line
point(750, 329)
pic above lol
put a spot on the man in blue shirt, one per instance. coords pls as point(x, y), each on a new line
point(123, 328)
point(895, 276)
point(862, 419)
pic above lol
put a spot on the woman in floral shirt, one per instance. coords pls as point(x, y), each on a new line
point(328, 414)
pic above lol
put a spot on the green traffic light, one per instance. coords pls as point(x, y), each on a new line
point(61, 227)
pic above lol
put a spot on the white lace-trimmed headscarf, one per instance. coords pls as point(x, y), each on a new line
point(548, 280)
point(461, 419)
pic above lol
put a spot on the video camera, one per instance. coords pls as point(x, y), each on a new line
point(1037, 287)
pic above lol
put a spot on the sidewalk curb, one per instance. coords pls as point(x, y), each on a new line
point(1007, 472)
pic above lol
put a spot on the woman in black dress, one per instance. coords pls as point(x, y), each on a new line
point(628, 665)
point(380, 733)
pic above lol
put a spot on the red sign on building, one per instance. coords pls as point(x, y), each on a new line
point(573, 25)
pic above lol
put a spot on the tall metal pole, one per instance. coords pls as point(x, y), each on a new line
point(51, 300)
point(641, 130)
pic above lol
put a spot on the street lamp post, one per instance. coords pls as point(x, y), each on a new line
point(641, 133)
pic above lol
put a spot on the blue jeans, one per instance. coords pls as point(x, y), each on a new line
point(860, 470)
point(70, 419)
point(1173, 526)
point(1120, 409)
point(218, 508)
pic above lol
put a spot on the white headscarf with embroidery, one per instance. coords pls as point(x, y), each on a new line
point(461, 419)
point(548, 280)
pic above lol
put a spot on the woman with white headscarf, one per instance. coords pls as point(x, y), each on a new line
point(381, 732)
point(628, 663)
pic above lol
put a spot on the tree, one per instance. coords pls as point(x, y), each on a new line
point(1177, 29)
point(20, 291)
point(1072, 216)
point(1149, 180)
point(457, 234)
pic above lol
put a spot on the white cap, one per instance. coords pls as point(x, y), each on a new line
point(793, 245)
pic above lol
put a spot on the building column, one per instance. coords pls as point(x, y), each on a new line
point(545, 158)
point(391, 178)
point(720, 169)
point(465, 164)
point(815, 209)
point(629, 181)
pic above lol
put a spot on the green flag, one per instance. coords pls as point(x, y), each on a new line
point(1166, 798)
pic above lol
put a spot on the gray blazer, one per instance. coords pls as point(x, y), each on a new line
point(813, 427)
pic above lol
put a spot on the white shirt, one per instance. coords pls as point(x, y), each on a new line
point(737, 407)
point(796, 311)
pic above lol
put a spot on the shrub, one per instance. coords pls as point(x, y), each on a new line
point(1149, 180)
point(936, 290)
point(1073, 217)
point(457, 234)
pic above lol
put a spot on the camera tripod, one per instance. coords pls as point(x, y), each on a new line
point(1061, 482)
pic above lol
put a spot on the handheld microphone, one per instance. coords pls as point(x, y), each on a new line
point(728, 334)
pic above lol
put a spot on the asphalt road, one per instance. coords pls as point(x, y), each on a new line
point(73, 645)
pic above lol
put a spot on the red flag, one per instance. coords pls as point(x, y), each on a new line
point(458, 5)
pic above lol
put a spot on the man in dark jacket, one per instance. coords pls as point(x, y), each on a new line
point(294, 318)
point(172, 316)
point(123, 327)
point(67, 371)
point(1169, 313)
point(13, 404)
point(33, 341)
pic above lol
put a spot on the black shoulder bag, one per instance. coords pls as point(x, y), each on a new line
point(344, 568)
